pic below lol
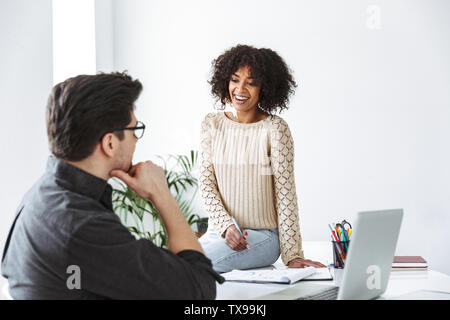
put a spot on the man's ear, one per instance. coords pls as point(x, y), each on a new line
point(109, 144)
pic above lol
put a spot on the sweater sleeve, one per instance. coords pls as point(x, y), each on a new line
point(282, 162)
point(218, 215)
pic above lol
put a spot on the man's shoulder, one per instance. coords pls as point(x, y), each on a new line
point(53, 204)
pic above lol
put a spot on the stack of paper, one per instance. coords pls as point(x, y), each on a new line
point(409, 263)
point(286, 276)
point(320, 274)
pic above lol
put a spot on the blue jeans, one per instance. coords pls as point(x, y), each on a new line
point(264, 250)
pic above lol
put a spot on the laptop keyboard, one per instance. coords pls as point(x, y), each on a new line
point(328, 294)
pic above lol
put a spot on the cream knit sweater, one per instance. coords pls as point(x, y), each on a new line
point(247, 172)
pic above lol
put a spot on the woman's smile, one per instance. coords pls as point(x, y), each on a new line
point(243, 89)
point(240, 99)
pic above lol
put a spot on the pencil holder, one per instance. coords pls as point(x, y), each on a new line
point(340, 249)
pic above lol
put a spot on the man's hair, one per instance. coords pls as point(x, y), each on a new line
point(82, 109)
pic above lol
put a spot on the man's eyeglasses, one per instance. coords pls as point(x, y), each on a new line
point(138, 129)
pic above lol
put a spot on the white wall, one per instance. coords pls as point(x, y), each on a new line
point(371, 116)
point(25, 83)
point(73, 38)
point(104, 30)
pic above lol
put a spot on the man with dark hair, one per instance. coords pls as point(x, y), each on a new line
point(66, 242)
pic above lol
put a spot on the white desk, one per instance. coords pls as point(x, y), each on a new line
point(402, 284)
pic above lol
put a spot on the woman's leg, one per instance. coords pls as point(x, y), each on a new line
point(264, 250)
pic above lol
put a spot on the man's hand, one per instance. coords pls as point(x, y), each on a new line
point(303, 263)
point(234, 239)
point(146, 179)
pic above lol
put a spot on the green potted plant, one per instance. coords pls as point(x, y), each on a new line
point(142, 213)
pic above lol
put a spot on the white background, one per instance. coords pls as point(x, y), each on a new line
point(25, 82)
point(370, 118)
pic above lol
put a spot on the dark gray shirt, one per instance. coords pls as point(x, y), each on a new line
point(67, 243)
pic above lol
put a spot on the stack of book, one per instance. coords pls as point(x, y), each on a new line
point(409, 263)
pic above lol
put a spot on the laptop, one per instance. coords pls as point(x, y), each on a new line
point(368, 263)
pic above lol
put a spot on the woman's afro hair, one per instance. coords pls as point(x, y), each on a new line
point(266, 66)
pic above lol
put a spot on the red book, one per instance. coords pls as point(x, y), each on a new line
point(409, 262)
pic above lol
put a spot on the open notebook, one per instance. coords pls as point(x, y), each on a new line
point(286, 276)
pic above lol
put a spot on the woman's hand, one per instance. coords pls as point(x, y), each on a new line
point(234, 239)
point(303, 263)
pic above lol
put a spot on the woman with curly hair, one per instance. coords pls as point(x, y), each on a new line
point(247, 165)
